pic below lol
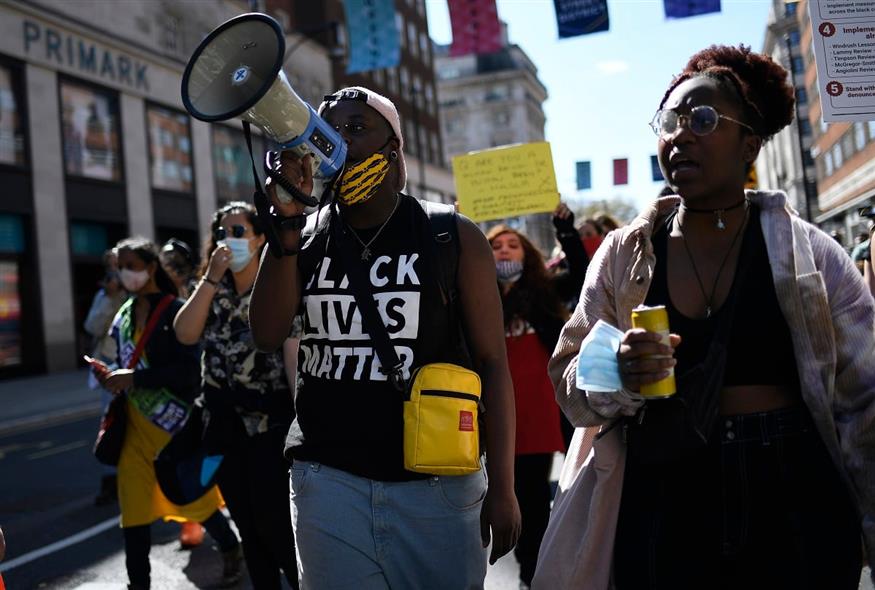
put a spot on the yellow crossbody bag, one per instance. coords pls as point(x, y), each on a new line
point(441, 433)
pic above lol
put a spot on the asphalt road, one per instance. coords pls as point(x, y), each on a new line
point(58, 539)
point(48, 480)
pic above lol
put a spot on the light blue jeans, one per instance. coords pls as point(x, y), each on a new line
point(356, 533)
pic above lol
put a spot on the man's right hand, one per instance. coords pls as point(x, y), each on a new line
point(299, 172)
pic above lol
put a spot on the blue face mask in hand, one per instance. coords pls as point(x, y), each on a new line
point(597, 367)
point(240, 253)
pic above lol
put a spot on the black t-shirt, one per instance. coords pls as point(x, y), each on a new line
point(348, 415)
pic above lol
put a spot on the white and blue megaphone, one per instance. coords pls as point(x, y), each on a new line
point(236, 71)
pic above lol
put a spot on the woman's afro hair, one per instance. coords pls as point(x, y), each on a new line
point(761, 84)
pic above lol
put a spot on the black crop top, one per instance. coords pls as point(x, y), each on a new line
point(760, 346)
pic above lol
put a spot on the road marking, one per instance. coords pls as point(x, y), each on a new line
point(57, 450)
point(7, 449)
point(59, 545)
point(48, 419)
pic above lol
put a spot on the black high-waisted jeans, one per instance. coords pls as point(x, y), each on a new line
point(762, 506)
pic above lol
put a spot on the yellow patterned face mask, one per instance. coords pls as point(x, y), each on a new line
point(360, 181)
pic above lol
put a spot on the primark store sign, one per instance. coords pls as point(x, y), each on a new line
point(54, 46)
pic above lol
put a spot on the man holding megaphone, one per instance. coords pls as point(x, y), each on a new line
point(362, 518)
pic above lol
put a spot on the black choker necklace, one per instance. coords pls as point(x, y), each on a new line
point(721, 225)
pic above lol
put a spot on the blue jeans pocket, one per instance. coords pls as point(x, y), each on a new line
point(299, 477)
point(463, 492)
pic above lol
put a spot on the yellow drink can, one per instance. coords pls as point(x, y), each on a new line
point(655, 319)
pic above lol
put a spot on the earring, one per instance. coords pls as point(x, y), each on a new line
point(393, 155)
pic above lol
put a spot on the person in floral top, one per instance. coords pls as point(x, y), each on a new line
point(246, 395)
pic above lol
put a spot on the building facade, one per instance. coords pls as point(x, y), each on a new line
point(411, 85)
point(95, 146)
point(493, 100)
point(785, 162)
point(844, 153)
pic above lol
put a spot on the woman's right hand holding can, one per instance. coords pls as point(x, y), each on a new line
point(643, 358)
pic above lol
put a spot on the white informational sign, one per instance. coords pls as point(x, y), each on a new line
point(843, 36)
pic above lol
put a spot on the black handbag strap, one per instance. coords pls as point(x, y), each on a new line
point(364, 298)
point(444, 253)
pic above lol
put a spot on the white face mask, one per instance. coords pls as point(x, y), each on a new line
point(240, 253)
point(508, 271)
point(133, 280)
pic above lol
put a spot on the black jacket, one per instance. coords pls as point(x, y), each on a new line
point(171, 364)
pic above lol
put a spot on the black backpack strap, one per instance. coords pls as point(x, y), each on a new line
point(442, 219)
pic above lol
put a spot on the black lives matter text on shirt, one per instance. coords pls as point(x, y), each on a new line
point(334, 344)
point(349, 416)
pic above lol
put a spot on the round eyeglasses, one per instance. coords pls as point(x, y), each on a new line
point(702, 120)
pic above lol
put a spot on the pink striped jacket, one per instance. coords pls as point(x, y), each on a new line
point(831, 315)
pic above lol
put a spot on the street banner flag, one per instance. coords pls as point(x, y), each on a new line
point(584, 176)
point(655, 172)
point(621, 171)
point(506, 181)
point(373, 35)
point(581, 17)
point(475, 25)
point(687, 8)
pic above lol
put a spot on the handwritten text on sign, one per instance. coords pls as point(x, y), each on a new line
point(506, 181)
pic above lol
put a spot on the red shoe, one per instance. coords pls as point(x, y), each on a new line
point(191, 535)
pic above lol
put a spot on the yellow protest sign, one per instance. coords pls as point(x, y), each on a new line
point(506, 181)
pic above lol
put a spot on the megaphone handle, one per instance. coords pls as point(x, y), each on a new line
point(281, 180)
point(263, 209)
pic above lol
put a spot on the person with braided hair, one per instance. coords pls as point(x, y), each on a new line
point(764, 477)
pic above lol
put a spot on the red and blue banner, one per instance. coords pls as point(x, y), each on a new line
point(476, 28)
point(687, 8)
point(621, 171)
point(581, 17)
point(373, 35)
point(655, 171)
point(584, 176)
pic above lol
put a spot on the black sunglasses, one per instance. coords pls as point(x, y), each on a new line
point(237, 231)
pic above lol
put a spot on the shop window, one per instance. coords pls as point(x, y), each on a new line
point(11, 120)
point(88, 239)
point(859, 135)
point(801, 96)
point(231, 164)
point(11, 247)
point(10, 314)
point(848, 145)
point(90, 128)
point(169, 150)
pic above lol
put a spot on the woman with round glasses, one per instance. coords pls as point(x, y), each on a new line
point(771, 478)
point(246, 395)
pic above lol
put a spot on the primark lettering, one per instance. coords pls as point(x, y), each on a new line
point(74, 52)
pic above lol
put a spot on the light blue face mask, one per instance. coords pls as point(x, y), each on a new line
point(597, 367)
point(240, 253)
